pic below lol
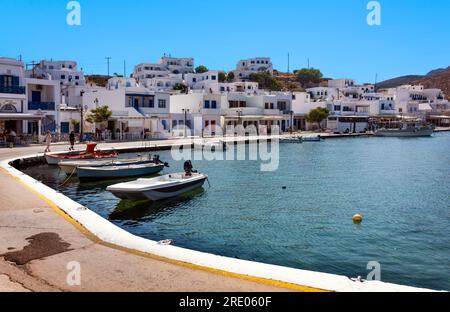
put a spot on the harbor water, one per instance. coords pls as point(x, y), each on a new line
point(301, 214)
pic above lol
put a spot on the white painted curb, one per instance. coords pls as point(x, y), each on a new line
point(110, 233)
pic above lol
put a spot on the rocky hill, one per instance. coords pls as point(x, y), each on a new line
point(438, 78)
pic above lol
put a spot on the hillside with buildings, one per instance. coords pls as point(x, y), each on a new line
point(53, 95)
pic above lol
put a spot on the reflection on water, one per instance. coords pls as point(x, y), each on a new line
point(146, 210)
point(400, 186)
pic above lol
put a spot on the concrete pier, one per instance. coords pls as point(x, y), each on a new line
point(37, 243)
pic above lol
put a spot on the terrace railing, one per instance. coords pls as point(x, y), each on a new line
point(45, 106)
point(12, 89)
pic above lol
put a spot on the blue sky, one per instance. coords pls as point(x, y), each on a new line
point(414, 36)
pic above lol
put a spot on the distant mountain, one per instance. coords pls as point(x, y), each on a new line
point(438, 78)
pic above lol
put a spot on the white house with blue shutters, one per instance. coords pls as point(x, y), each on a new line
point(28, 106)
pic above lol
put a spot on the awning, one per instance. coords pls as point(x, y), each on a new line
point(21, 117)
point(425, 107)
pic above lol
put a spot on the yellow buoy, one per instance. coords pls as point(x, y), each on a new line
point(357, 218)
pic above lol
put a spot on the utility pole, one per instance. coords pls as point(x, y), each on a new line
point(124, 69)
point(33, 64)
point(308, 62)
point(289, 64)
point(108, 58)
point(376, 81)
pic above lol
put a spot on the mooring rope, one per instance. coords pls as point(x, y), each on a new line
point(67, 179)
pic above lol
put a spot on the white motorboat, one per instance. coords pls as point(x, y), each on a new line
point(115, 171)
point(210, 146)
point(167, 186)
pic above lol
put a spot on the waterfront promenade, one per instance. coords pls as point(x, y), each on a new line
point(41, 264)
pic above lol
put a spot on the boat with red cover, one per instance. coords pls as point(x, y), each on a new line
point(91, 153)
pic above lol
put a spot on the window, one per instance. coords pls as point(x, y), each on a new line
point(213, 104)
point(164, 122)
point(267, 105)
point(194, 79)
point(206, 104)
point(77, 77)
point(161, 104)
point(63, 76)
point(213, 77)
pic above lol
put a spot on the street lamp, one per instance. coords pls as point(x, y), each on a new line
point(185, 111)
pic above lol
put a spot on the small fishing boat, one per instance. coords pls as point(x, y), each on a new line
point(90, 153)
point(292, 140)
point(414, 128)
point(70, 167)
point(118, 171)
point(311, 138)
point(211, 146)
point(170, 185)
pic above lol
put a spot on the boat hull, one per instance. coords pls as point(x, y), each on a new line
point(156, 190)
point(171, 192)
point(101, 173)
point(54, 160)
point(70, 167)
point(404, 133)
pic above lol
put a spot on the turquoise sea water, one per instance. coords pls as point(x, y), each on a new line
point(400, 186)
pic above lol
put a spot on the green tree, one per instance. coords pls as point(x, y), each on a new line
point(230, 77)
point(222, 77)
point(266, 81)
point(317, 115)
point(308, 76)
point(74, 123)
point(201, 69)
point(99, 115)
point(181, 87)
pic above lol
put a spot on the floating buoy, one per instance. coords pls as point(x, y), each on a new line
point(357, 218)
point(284, 187)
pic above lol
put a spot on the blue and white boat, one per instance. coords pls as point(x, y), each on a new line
point(118, 171)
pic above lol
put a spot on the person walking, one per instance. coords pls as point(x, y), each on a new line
point(72, 141)
point(12, 138)
point(48, 141)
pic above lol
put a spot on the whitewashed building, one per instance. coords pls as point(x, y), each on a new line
point(28, 106)
point(65, 72)
point(137, 112)
point(245, 68)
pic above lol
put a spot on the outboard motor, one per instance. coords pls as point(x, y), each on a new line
point(188, 168)
point(158, 161)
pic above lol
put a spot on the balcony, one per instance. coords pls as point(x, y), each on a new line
point(12, 89)
point(45, 106)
